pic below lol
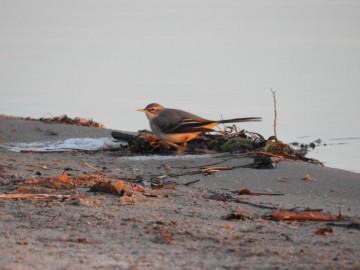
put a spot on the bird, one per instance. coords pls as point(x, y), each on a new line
point(179, 127)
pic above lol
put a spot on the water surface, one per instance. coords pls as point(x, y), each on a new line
point(218, 59)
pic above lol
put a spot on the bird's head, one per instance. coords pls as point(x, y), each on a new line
point(152, 110)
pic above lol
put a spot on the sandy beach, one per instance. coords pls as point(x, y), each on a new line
point(174, 214)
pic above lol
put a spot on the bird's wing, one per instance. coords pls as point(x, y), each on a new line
point(173, 121)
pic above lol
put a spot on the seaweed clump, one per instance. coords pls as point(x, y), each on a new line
point(230, 140)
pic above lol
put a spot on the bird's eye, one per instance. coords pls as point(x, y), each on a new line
point(153, 109)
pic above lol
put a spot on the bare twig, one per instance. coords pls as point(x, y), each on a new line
point(275, 112)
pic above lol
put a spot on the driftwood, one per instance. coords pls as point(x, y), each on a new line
point(33, 196)
point(122, 136)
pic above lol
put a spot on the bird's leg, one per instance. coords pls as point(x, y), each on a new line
point(172, 144)
point(181, 149)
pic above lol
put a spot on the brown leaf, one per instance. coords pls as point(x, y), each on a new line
point(117, 188)
point(228, 226)
point(57, 184)
point(164, 238)
point(138, 188)
point(126, 200)
point(64, 177)
point(323, 231)
point(308, 178)
point(52, 183)
point(171, 186)
point(87, 180)
point(245, 191)
point(236, 216)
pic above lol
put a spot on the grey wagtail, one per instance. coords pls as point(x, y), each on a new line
point(178, 126)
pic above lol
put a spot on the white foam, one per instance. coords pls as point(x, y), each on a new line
point(89, 144)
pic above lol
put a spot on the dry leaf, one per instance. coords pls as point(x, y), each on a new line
point(138, 188)
point(228, 226)
point(245, 191)
point(164, 238)
point(323, 231)
point(117, 188)
point(236, 216)
point(308, 178)
point(126, 200)
point(64, 177)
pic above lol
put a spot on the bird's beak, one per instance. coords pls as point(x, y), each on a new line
point(141, 110)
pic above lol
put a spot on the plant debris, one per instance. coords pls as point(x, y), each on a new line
point(116, 188)
point(57, 183)
point(64, 119)
point(230, 140)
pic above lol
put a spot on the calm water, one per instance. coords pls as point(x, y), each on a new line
point(219, 59)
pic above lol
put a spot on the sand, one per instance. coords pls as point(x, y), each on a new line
point(182, 225)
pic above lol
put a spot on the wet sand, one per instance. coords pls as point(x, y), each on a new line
point(180, 226)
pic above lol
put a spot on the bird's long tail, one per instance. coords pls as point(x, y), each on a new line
point(236, 120)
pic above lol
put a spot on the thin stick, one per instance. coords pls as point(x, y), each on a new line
point(275, 112)
point(191, 182)
point(256, 205)
point(303, 216)
point(92, 167)
point(275, 155)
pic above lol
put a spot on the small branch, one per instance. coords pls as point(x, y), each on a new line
point(275, 112)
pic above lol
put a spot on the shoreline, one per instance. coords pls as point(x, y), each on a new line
point(182, 224)
point(45, 135)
